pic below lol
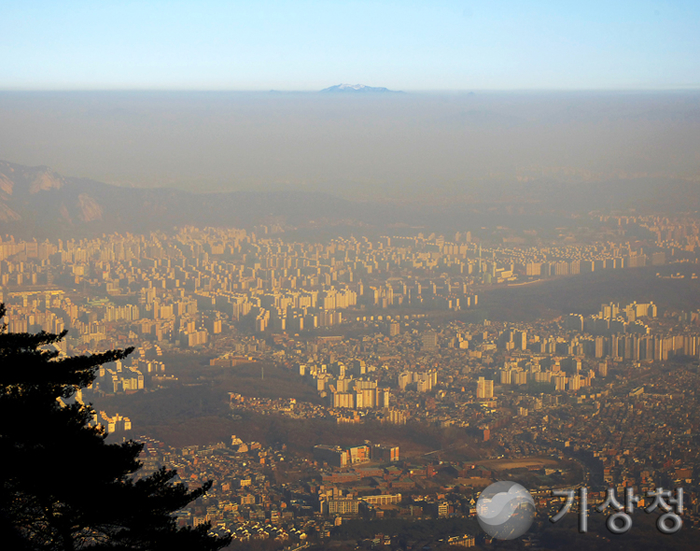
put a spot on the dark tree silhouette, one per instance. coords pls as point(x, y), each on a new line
point(63, 486)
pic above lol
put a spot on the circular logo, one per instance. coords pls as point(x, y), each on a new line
point(505, 510)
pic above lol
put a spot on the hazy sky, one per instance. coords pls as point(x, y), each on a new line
point(307, 45)
point(358, 145)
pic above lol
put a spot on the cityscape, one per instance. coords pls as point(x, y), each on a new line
point(349, 275)
point(375, 386)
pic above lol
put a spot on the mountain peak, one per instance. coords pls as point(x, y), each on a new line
point(355, 88)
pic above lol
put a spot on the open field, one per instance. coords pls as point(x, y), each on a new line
point(524, 463)
point(473, 482)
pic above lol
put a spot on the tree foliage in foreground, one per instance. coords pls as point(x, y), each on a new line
point(63, 487)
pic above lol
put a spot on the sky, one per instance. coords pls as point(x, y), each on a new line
point(310, 45)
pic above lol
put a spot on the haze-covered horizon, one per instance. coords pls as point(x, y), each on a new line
point(360, 146)
point(150, 94)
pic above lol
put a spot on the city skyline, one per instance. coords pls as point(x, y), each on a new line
point(348, 273)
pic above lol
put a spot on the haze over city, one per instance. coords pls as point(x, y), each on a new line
point(358, 274)
point(352, 145)
point(492, 91)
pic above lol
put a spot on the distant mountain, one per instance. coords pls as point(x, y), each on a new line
point(357, 89)
point(38, 202)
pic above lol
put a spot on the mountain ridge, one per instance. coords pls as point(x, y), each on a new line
point(37, 202)
point(357, 89)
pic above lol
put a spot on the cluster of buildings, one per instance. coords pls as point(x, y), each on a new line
point(114, 424)
point(374, 328)
point(339, 385)
point(287, 407)
point(186, 287)
point(253, 498)
point(337, 456)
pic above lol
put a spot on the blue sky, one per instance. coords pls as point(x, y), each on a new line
point(307, 45)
